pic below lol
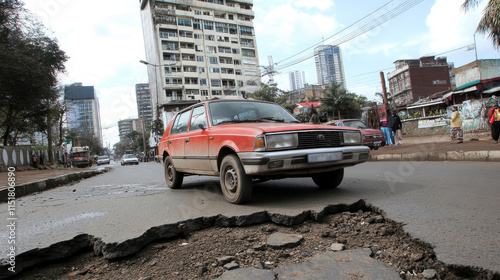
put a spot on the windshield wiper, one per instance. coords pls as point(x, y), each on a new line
point(271, 119)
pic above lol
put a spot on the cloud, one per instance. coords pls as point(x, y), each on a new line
point(451, 27)
point(320, 4)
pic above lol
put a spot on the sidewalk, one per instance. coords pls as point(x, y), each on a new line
point(31, 181)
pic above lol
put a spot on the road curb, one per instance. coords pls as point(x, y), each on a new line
point(493, 156)
point(49, 183)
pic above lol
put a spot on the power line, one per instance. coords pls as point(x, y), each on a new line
point(363, 29)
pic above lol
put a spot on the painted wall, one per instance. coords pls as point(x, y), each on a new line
point(22, 158)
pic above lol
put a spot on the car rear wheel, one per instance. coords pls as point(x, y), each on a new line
point(236, 185)
point(173, 177)
point(329, 180)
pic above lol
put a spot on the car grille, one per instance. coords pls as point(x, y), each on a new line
point(318, 139)
point(374, 136)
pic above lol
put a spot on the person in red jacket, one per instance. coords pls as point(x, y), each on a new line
point(494, 118)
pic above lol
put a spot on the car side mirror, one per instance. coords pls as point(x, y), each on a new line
point(201, 126)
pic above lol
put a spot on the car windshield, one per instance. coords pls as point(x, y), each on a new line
point(355, 123)
point(103, 157)
point(248, 111)
point(128, 156)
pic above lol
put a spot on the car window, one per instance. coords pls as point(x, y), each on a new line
point(199, 117)
point(243, 111)
point(355, 123)
point(181, 123)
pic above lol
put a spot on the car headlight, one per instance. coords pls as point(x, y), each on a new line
point(276, 142)
point(352, 138)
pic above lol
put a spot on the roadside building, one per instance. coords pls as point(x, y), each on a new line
point(128, 125)
point(416, 79)
point(329, 65)
point(297, 79)
point(198, 50)
point(143, 98)
point(308, 92)
point(83, 113)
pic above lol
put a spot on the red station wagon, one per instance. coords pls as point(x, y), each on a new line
point(373, 138)
point(245, 140)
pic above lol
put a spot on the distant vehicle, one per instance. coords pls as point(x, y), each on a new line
point(373, 138)
point(103, 160)
point(129, 159)
point(80, 157)
point(242, 141)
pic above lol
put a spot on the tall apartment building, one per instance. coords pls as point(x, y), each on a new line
point(83, 113)
point(143, 98)
point(329, 66)
point(297, 79)
point(197, 50)
point(414, 79)
point(126, 126)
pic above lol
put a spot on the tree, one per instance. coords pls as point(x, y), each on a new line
point(271, 92)
point(29, 64)
point(339, 102)
point(490, 22)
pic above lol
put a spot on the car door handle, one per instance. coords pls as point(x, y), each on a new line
point(187, 139)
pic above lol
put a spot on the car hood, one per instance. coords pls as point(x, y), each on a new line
point(277, 127)
point(371, 131)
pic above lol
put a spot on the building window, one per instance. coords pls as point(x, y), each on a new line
point(224, 50)
point(225, 60)
point(183, 22)
point(250, 53)
point(199, 58)
point(210, 37)
point(213, 60)
point(251, 83)
point(198, 36)
point(216, 82)
point(201, 69)
point(221, 27)
point(211, 49)
point(240, 83)
point(208, 25)
point(216, 92)
point(204, 92)
point(203, 82)
point(214, 70)
point(236, 51)
point(197, 12)
point(237, 71)
point(244, 30)
point(197, 24)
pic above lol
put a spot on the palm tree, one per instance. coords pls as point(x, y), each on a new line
point(490, 22)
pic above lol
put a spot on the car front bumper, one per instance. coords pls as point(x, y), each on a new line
point(302, 162)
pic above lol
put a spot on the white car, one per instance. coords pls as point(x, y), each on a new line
point(129, 159)
point(103, 160)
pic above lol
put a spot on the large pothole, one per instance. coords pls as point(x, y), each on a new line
point(192, 249)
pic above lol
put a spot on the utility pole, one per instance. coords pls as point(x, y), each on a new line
point(384, 90)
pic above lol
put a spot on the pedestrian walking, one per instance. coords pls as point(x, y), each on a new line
point(494, 118)
point(397, 127)
point(386, 130)
point(456, 126)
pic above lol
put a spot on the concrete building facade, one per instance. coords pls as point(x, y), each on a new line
point(198, 50)
point(329, 65)
point(143, 98)
point(83, 113)
point(297, 79)
point(416, 79)
point(128, 125)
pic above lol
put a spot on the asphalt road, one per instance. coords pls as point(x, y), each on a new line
point(452, 205)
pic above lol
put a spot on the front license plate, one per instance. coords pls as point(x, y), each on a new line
point(324, 157)
point(377, 143)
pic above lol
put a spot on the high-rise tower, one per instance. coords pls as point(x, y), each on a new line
point(329, 66)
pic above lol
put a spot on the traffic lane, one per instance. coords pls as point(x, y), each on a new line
point(129, 200)
point(454, 207)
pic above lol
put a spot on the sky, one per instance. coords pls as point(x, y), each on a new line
point(105, 43)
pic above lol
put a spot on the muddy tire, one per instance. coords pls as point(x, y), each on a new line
point(173, 177)
point(329, 180)
point(236, 185)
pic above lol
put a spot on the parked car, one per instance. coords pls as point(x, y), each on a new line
point(245, 140)
point(373, 138)
point(129, 159)
point(103, 160)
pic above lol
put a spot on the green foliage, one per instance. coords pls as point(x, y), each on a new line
point(490, 22)
point(270, 92)
point(338, 102)
point(29, 64)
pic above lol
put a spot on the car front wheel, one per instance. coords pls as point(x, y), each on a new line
point(236, 185)
point(329, 180)
point(173, 177)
